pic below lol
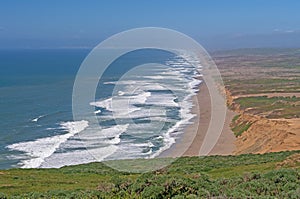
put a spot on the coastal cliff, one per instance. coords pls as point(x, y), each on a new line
point(259, 134)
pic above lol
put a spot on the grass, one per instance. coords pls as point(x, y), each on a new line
point(234, 119)
point(252, 71)
point(243, 169)
point(263, 85)
point(261, 51)
point(274, 107)
point(187, 177)
point(239, 129)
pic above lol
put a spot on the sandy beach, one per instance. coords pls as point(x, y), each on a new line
point(189, 143)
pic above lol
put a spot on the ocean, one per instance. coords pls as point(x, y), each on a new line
point(142, 109)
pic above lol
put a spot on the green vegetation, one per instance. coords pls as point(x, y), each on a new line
point(240, 176)
point(263, 85)
point(234, 119)
point(261, 52)
point(241, 128)
point(274, 107)
point(264, 57)
point(252, 71)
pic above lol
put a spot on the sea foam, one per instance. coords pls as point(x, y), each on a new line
point(42, 148)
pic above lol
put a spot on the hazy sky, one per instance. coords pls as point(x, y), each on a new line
point(214, 23)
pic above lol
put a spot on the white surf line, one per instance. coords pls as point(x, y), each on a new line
point(42, 148)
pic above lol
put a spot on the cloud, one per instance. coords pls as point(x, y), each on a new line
point(289, 31)
point(284, 31)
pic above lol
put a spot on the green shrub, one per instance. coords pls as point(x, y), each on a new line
point(2, 196)
point(243, 176)
point(153, 192)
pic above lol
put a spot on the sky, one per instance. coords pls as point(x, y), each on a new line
point(216, 24)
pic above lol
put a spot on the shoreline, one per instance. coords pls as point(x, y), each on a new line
point(190, 141)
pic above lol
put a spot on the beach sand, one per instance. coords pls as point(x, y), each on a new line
point(189, 143)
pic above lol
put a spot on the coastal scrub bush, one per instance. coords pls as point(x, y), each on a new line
point(153, 192)
point(243, 176)
point(2, 196)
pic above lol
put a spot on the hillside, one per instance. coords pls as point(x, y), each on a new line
point(263, 88)
point(272, 175)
